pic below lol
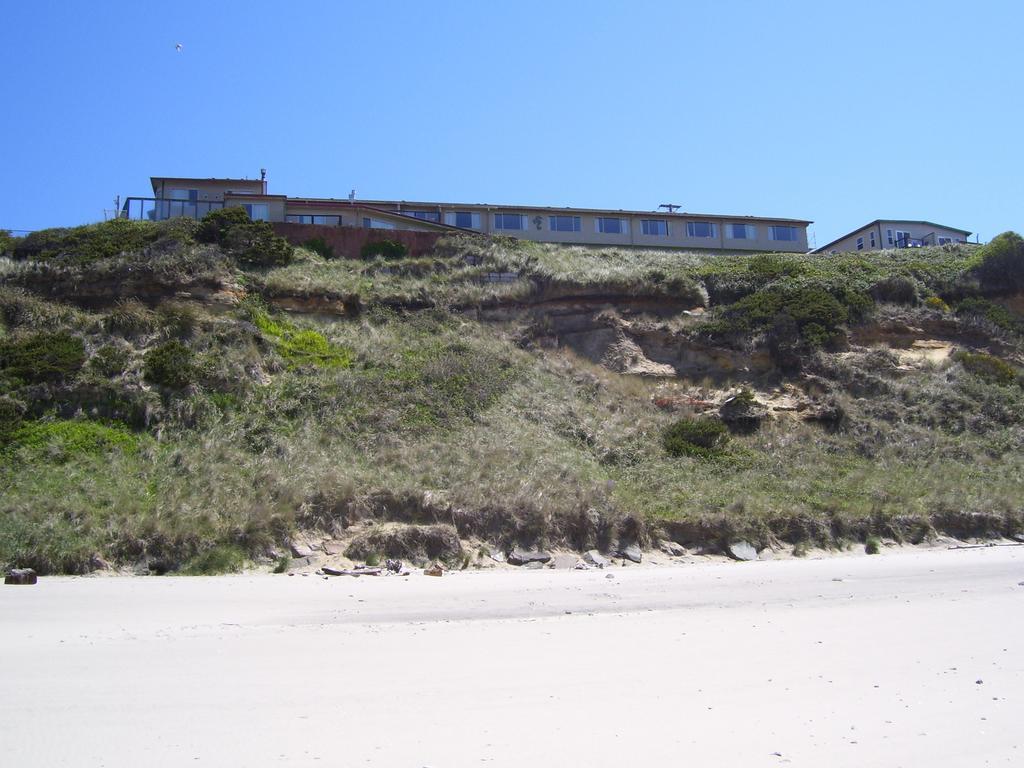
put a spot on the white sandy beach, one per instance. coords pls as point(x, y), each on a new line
point(843, 661)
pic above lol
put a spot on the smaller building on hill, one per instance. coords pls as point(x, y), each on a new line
point(883, 234)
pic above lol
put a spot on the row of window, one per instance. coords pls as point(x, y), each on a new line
point(329, 221)
point(517, 222)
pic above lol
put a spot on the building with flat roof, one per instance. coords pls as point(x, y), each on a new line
point(577, 226)
point(883, 234)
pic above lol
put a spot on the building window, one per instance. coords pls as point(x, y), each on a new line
point(782, 233)
point(464, 219)
point(511, 221)
point(902, 239)
point(656, 227)
point(424, 215)
point(611, 226)
point(741, 232)
point(700, 229)
point(369, 223)
point(873, 246)
point(258, 211)
point(564, 223)
point(295, 218)
point(888, 235)
point(945, 240)
point(860, 243)
point(192, 195)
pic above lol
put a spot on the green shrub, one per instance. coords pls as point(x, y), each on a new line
point(42, 357)
point(177, 318)
point(386, 249)
point(169, 365)
point(299, 346)
point(873, 545)
point(248, 242)
point(11, 414)
point(63, 440)
point(695, 437)
point(130, 317)
point(994, 313)
point(896, 289)
point(90, 242)
point(8, 242)
point(1001, 268)
point(770, 266)
point(934, 302)
point(320, 246)
point(110, 360)
point(987, 367)
point(223, 558)
point(805, 305)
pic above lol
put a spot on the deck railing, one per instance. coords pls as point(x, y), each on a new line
point(160, 208)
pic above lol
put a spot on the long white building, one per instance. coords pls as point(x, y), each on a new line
point(195, 197)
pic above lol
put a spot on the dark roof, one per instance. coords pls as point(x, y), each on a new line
point(879, 221)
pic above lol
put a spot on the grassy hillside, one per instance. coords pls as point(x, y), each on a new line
point(160, 407)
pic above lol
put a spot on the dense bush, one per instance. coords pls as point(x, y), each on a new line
point(320, 246)
point(987, 367)
point(936, 302)
point(11, 414)
point(249, 242)
point(177, 319)
point(771, 266)
point(110, 360)
point(298, 346)
point(994, 313)
point(60, 441)
point(98, 241)
point(897, 289)
point(169, 365)
point(796, 319)
point(7, 242)
point(695, 437)
point(1002, 264)
point(386, 249)
point(42, 357)
point(130, 317)
point(223, 558)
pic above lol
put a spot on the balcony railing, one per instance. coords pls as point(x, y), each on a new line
point(158, 208)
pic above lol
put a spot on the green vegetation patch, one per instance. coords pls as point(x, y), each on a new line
point(994, 313)
point(60, 441)
point(320, 247)
point(42, 357)
point(385, 249)
point(93, 242)
point(1001, 265)
point(814, 313)
point(169, 365)
point(110, 360)
point(987, 367)
point(223, 558)
point(249, 242)
point(703, 438)
point(299, 346)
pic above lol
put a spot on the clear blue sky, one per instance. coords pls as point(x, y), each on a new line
point(836, 112)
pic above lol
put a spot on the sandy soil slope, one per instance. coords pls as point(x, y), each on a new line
point(907, 659)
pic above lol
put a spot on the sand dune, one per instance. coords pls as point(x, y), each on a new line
point(910, 659)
